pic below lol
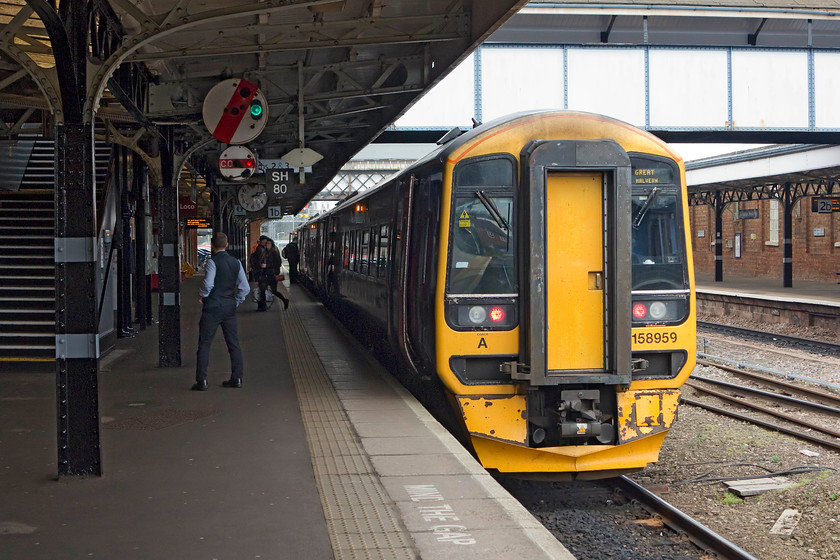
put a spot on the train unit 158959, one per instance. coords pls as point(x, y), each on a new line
point(539, 267)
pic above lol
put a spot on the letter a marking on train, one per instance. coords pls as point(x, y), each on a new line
point(482, 343)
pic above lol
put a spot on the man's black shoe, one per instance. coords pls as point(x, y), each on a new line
point(285, 304)
point(233, 383)
point(199, 386)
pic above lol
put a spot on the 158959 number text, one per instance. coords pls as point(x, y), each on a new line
point(654, 338)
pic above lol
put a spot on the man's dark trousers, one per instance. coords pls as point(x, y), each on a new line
point(224, 315)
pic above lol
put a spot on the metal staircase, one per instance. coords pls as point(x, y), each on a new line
point(27, 267)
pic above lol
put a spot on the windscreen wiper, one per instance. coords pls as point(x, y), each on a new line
point(640, 215)
point(491, 207)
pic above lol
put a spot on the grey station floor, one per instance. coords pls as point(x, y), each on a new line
point(319, 455)
point(821, 292)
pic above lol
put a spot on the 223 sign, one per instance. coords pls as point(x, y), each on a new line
point(668, 337)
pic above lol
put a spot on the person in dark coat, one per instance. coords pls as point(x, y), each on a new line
point(255, 260)
point(291, 253)
point(225, 286)
point(271, 268)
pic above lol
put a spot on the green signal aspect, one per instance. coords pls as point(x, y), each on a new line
point(256, 109)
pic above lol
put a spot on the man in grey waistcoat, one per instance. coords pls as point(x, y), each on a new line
point(224, 287)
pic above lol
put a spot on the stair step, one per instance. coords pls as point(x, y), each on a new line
point(28, 314)
point(31, 280)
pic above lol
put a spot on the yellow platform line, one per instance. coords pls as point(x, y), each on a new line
point(361, 519)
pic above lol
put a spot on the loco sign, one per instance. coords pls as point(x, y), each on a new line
point(235, 111)
point(237, 163)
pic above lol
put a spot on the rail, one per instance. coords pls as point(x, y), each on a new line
point(699, 534)
point(826, 347)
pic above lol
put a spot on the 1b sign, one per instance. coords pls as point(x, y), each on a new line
point(275, 212)
point(278, 181)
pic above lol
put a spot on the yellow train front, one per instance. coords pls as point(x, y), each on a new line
point(539, 266)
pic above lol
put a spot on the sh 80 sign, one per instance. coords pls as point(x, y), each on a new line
point(279, 181)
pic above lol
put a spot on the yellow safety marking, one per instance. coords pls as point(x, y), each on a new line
point(27, 359)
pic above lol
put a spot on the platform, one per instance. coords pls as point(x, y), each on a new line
point(802, 291)
point(320, 455)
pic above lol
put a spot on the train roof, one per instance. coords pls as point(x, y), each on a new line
point(442, 152)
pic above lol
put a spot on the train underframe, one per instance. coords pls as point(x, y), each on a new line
point(584, 431)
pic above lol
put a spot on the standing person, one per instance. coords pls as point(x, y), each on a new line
point(271, 268)
point(291, 253)
point(225, 286)
point(255, 260)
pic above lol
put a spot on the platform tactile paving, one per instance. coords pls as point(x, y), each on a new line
point(362, 521)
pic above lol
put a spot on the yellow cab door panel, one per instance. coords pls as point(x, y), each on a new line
point(575, 271)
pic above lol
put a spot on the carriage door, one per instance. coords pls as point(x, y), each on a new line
point(574, 263)
point(574, 271)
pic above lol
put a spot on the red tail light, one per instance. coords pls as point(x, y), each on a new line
point(497, 314)
point(639, 310)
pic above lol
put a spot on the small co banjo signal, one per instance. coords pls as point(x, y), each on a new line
point(235, 111)
point(237, 163)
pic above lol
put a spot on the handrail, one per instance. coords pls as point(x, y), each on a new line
point(106, 188)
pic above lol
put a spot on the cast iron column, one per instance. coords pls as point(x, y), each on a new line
point(216, 216)
point(77, 321)
point(123, 240)
point(142, 299)
point(76, 246)
point(787, 260)
point(718, 237)
point(169, 272)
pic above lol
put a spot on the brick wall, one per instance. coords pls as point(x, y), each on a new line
point(815, 257)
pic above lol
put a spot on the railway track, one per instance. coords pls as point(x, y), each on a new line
point(815, 415)
point(699, 534)
point(617, 518)
point(827, 348)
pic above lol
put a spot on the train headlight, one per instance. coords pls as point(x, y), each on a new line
point(658, 311)
point(661, 310)
point(477, 314)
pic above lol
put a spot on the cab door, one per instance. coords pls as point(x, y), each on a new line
point(574, 263)
point(574, 249)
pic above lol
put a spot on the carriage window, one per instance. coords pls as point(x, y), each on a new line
point(353, 248)
point(482, 241)
point(383, 250)
point(346, 240)
point(364, 252)
point(658, 252)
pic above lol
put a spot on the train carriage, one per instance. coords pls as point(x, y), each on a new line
point(538, 267)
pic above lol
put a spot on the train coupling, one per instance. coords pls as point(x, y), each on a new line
point(580, 416)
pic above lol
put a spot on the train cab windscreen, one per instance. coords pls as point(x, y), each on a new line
point(482, 241)
point(658, 254)
point(658, 246)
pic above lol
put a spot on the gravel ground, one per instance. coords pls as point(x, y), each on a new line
point(704, 445)
point(595, 522)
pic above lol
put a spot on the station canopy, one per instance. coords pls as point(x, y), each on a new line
point(335, 73)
